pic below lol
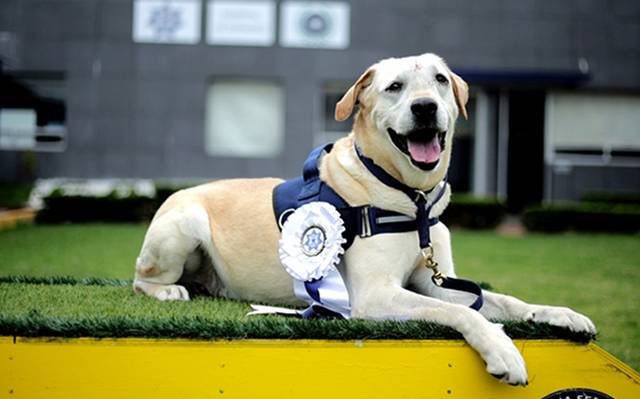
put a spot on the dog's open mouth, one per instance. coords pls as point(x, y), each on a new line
point(423, 146)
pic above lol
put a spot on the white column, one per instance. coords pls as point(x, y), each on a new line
point(481, 145)
point(548, 148)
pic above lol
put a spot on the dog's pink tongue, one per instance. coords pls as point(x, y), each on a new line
point(425, 152)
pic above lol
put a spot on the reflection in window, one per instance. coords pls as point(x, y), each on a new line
point(330, 129)
point(599, 127)
point(244, 118)
point(460, 171)
point(32, 112)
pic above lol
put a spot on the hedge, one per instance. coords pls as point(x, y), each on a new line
point(473, 212)
point(588, 216)
point(164, 191)
point(464, 210)
point(611, 198)
point(114, 207)
point(60, 208)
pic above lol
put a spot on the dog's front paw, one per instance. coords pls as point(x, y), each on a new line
point(503, 359)
point(172, 293)
point(561, 317)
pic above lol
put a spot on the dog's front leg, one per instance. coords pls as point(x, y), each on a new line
point(505, 307)
point(496, 306)
point(376, 269)
point(554, 315)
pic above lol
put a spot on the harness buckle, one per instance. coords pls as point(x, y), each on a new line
point(430, 263)
point(284, 215)
point(365, 229)
point(420, 194)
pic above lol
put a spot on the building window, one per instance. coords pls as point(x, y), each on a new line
point(32, 112)
point(461, 169)
point(330, 129)
point(592, 128)
point(244, 118)
point(592, 144)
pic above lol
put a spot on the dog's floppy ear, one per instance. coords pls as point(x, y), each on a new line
point(461, 92)
point(344, 107)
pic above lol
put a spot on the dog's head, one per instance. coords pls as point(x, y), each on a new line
point(408, 108)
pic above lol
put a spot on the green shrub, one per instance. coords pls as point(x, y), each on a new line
point(164, 191)
point(464, 210)
point(59, 208)
point(114, 207)
point(588, 216)
point(473, 212)
point(611, 198)
point(14, 195)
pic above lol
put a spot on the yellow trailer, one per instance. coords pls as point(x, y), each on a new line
point(156, 368)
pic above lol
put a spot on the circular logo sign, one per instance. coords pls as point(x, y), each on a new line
point(165, 20)
point(313, 240)
point(316, 24)
point(578, 393)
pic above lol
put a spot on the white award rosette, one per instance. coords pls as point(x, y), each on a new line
point(311, 241)
point(310, 249)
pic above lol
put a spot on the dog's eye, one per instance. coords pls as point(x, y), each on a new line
point(442, 79)
point(395, 86)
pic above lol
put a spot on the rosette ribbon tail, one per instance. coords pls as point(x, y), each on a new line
point(265, 310)
point(327, 298)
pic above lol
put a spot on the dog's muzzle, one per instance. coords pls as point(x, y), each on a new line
point(424, 146)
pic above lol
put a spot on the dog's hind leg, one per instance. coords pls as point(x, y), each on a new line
point(171, 239)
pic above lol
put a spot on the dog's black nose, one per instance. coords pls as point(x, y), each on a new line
point(424, 109)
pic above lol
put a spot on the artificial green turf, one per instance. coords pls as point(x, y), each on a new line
point(71, 308)
point(65, 280)
point(595, 274)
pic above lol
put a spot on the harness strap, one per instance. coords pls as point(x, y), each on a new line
point(363, 221)
point(311, 175)
point(424, 223)
point(385, 177)
point(419, 198)
point(460, 284)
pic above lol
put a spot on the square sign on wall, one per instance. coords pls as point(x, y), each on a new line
point(166, 21)
point(315, 24)
point(241, 23)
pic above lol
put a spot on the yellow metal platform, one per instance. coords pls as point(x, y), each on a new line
point(145, 368)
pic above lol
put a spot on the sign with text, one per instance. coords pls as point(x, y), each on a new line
point(315, 24)
point(167, 21)
point(241, 23)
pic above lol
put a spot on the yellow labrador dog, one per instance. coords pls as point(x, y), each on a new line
point(224, 236)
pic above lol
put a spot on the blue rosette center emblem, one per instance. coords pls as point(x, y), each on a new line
point(313, 240)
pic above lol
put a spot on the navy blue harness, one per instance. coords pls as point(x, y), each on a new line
point(364, 221)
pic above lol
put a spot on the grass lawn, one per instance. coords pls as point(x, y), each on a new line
point(79, 250)
point(594, 274)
